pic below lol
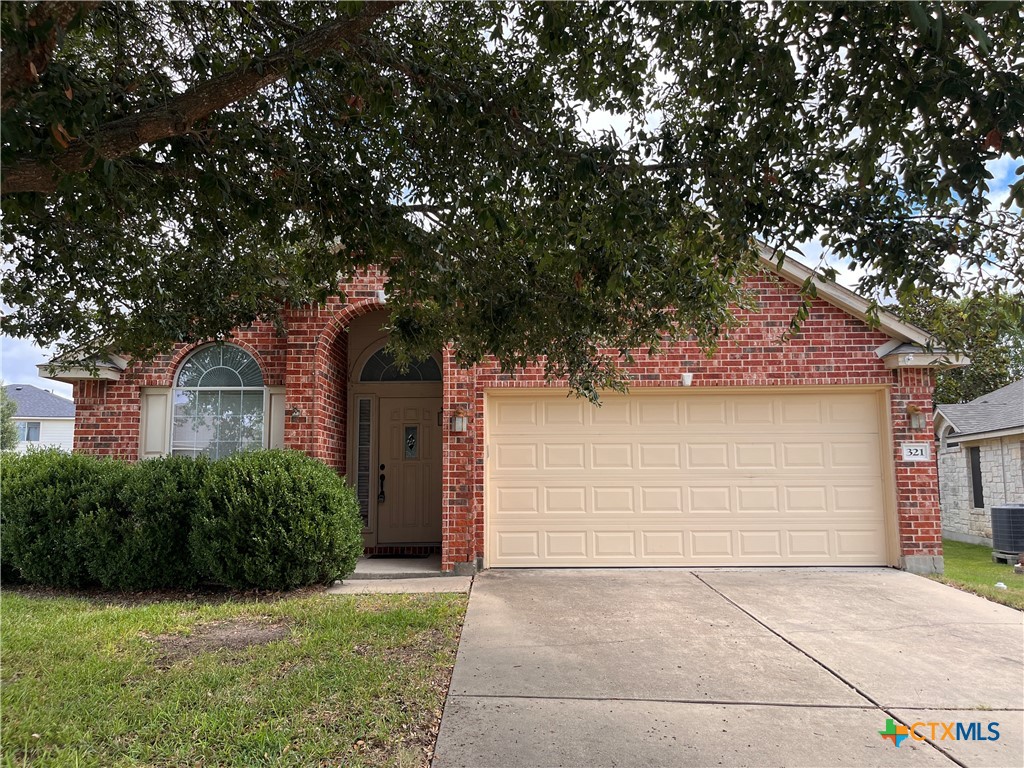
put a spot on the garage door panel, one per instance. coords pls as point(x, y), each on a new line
point(514, 456)
point(755, 411)
point(612, 546)
point(517, 546)
point(514, 413)
point(809, 544)
point(856, 543)
point(660, 544)
point(566, 545)
point(568, 412)
point(657, 412)
point(613, 500)
point(801, 411)
point(803, 455)
point(511, 500)
point(713, 545)
point(760, 544)
point(755, 455)
point(685, 478)
point(757, 499)
point(707, 455)
point(710, 500)
point(564, 456)
point(613, 412)
point(706, 412)
point(565, 501)
point(659, 456)
point(804, 499)
point(664, 500)
point(856, 500)
point(861, 454)
point(616, 545)
point(612, 455)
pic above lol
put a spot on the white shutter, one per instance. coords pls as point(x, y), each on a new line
point(275, 417)
point(154, 423)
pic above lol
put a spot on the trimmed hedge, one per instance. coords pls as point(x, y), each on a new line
point(43, 495)
point(261, 519)
point(278, 519)
point(139, 538)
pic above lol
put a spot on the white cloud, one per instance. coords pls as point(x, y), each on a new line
point(18, 360)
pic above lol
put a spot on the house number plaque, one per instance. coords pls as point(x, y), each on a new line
point(917, 451)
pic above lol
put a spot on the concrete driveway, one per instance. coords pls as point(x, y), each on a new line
point(754, 667)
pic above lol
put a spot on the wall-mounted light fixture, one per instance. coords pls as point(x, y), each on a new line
point(459, 421)
point(295, 411)
point(916, 416)
point(687, 379)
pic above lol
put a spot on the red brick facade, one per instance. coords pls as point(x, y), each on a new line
point(833, 348)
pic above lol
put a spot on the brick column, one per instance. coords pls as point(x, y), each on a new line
point(300, 379)
point(917, 483)
point(459, 474)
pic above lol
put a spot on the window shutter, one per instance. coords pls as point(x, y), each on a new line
point(153, 424)
point(275, 433)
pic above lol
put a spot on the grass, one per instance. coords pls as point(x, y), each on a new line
point(353, 681)
point(970, 567)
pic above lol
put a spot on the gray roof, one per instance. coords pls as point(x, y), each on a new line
point(38, 403)
point(994, 412)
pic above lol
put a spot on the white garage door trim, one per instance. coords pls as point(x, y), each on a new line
point(715, 477)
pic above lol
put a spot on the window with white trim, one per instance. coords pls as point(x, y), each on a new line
point(382, 366)
point(219, 403)
point(28, 431)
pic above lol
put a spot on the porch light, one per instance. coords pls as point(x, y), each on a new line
point(459, 422)
point(916, 416)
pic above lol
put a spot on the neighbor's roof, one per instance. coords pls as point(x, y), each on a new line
point(995, 412)
point(35, 403)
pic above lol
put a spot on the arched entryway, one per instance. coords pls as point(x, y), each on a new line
point(394, 440)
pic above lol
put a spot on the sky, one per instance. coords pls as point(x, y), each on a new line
point(19, 357)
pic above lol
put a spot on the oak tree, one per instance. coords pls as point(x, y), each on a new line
point(553, 180)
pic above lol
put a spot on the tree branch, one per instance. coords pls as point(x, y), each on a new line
point(177, 116)
point(20, 68)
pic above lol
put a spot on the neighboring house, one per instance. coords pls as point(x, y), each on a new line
point(981, 444)
point(811, 451)
point(44, 420)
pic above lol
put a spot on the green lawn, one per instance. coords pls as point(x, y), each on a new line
point(970, 567)
point(349, 681)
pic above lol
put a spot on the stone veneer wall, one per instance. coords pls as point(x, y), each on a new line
point(1002, 482)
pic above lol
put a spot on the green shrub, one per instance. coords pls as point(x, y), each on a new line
point(44, 495)
point(9, 574)
point(276, 520)
point(139, 540)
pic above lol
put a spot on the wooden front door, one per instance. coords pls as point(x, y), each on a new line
point(409, 471)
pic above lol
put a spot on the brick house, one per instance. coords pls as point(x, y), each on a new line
point(799, 452)
point(981, 461)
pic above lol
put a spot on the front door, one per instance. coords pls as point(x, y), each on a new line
point(409, 471)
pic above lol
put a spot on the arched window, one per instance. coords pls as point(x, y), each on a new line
point(219, 403)
point(382, 367)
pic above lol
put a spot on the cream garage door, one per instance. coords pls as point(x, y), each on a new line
point(685, 478)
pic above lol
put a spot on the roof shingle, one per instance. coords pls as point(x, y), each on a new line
point(37, 403)
point(998, 410)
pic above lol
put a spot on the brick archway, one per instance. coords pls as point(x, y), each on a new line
point(317, 385)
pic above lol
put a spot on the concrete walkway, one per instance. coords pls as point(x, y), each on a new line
point(756, 667)
point(400, 575)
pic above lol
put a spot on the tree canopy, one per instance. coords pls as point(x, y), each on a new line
point(986, 328)
point(8, 427)
point(537, 179)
